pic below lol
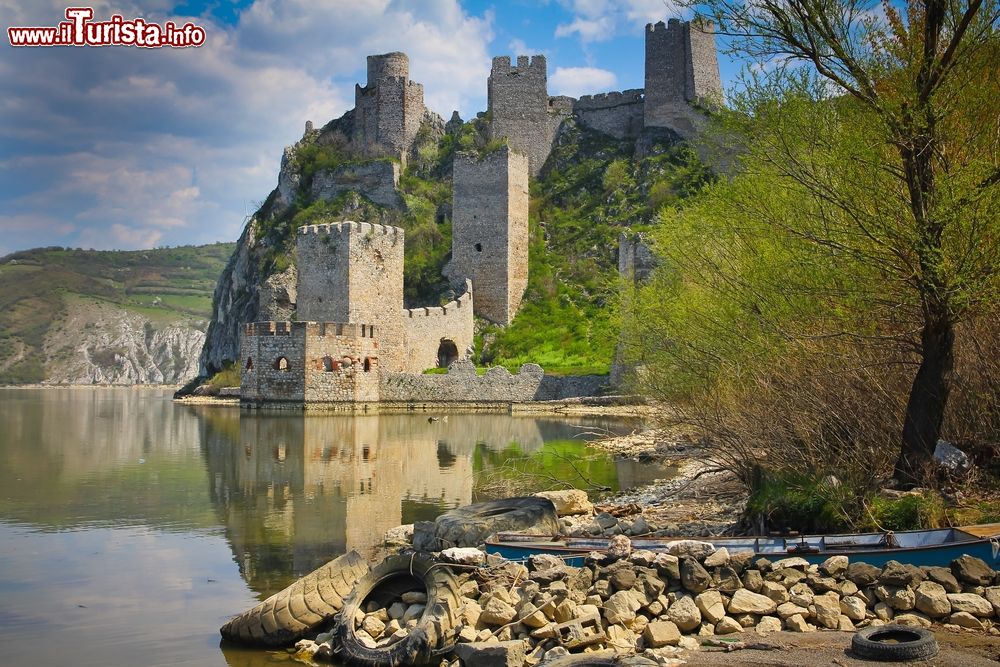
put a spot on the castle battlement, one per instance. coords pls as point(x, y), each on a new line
point(463, 301)
point(535, 65)
point(351, 227)
point(312, 329)
point(611, 99)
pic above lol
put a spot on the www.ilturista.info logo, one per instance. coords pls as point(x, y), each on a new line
point(79, 30)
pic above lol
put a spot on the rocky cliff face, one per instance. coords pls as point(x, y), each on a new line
point(244, 295)
point(101, 343)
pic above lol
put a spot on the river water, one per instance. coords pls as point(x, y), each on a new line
point(132, 527)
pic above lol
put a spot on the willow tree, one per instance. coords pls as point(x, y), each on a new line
point(923, 81)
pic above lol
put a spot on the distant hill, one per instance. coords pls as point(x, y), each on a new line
point(106, 317)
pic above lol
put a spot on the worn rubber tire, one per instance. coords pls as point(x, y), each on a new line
point(304, 606)
point(436, 630)
point(472, 525)
point(914, 644)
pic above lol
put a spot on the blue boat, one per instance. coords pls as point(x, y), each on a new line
point(937, 547)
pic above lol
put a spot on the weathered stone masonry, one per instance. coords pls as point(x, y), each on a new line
point(520, 109)
point(490, 230)
point(388, 110)
point(350, 294)
point(681, 69)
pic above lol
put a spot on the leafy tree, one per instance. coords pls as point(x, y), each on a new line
point(878, 127)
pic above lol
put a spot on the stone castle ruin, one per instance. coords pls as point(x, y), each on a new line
point(354, 344)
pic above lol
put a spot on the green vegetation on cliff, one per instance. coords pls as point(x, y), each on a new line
point(592, 188)
point(164, 285)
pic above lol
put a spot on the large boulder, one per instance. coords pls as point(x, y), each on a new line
point(932, 599)
point(685, 613)
point(897, 574)
point(974, 604)
point(694, 577)
point(971, 570)
point(569, 502)
point(746, 602)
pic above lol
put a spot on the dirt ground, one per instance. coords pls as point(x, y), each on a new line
point(958, 649)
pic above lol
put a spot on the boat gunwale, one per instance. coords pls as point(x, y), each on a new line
point(641, 543)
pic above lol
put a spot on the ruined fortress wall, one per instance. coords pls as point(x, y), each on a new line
point(461, 384)
point(324, 362)
point(353, 272)
point(619, 114)
point(388, 109)
point(519, 108)
point(681, 68)
point(490, 230)
point(378, 180)
point(262, 344)
point(427, 328)
point(342, 363)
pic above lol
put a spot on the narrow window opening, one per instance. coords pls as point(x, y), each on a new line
point(249, 363)
point(479, 247)
point(281, 364)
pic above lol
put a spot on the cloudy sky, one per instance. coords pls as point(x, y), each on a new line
point(120, 147)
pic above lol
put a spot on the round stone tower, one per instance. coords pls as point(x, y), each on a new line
point(388, 66)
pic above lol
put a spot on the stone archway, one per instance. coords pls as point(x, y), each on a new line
point(447, 353)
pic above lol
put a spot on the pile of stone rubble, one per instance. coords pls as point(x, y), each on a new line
point(664, 603)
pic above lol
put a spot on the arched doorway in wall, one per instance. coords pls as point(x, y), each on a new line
point(447, 353)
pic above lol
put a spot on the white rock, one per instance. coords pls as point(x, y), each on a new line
point(464, 556)
point(718, 558)
point(661, 633)
point(964, 619)
point(775, 591)
point(791, 609)
point(569, 502)
point(834, 565)
point(745, 602)
point(727, 626)
point(914, 620)
point(796, 562)
point(691, 548)
point(853, 608)
point(971, 603)
point(711, 606)
point(827, 611)
point(798, 623)
point(767, 625)
point(621, 607)
point(931, 598)
point(685, 614)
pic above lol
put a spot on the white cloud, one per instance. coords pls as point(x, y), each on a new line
point(577, 81)
point(601, 20)
point(128, 147)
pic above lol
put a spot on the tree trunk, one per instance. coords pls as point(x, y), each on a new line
point(927, 402)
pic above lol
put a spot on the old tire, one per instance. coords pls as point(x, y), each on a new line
point(304, 606)
point(472, 525)
point(894, 643)
point(436, 629)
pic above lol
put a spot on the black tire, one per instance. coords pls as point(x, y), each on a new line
point(288, 615)
point(472, 525)
point(894, 643)
point(436, 630)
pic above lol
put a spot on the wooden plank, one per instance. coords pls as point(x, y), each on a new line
point(983, 530)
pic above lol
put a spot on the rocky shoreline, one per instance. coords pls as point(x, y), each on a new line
point(666, 605)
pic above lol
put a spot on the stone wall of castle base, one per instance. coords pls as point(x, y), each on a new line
point(462, 385)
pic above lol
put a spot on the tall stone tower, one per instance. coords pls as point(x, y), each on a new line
point(388, 110)
point(352, 272)
point(490, 231)
point(681, 68)
point(520, 110)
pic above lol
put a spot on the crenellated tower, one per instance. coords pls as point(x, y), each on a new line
point(520, 109)
point(681, 69)
point(389, 109)
point(353, 272)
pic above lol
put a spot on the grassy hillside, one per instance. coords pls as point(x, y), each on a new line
point(592, 188)
point(166, 285)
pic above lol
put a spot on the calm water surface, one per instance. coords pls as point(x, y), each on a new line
point(131, 528)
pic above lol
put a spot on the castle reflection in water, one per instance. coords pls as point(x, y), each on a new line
point(295, 490)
